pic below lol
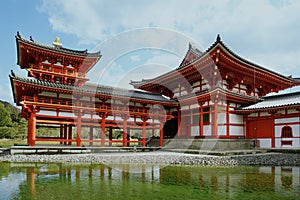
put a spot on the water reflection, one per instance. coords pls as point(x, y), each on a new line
point(69, 181)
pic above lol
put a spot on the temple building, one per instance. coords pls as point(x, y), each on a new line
point(212, 94)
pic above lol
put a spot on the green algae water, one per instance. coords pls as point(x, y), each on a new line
point(73, 181)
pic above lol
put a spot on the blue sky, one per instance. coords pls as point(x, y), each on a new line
point(141, 39)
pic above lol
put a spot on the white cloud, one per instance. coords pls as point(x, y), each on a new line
point(135, 58)
point(265, 32)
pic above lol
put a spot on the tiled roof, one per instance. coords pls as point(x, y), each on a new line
point(202, 54)
point(83, 53)
point(192, 50)
point(276, 101)
point(96, 89)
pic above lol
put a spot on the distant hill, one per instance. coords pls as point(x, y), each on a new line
point(11, 107)
point(15, 112)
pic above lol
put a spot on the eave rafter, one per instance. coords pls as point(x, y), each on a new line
point(238, 70)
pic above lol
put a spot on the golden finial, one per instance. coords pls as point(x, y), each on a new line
point(57, 42)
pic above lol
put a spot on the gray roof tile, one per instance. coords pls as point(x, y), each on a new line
point(289, 99)
point(97, 89)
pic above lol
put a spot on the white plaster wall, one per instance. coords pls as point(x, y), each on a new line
point(278, 143)
point(287, 120)
point(296, 143)
point(221, 130)
point(197, 83)
point(291, 111)
point(236, 119)
point(173, 109)
point(253, 115)
point(221, 118)
point(204, 87)
point(232, 104)
point(243, 92)
point(265, 143)
point(236, 130)
point(196, 89)
point(62, 95)
point(265, 114)
point(194, 106)
point(207, 130)
point(195, 131)
point(184, 92)
point(184, 107)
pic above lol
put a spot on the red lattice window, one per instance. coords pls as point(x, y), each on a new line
point(286, 132)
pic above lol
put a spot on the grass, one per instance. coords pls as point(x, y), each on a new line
point(5, 143)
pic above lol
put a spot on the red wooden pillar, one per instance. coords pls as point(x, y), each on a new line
point(214, 126)
point(103, 130)
point(70, 134)
point(103, 123)
point(161, 132)
point(144, 132)
point(30, 176)
point(31, 128)
point(178, 123)
point(78, 133)
point(201, 116)
point(125, 117)
point(227, 120)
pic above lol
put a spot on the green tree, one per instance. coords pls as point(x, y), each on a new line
point(22, 128)
point(5, 116)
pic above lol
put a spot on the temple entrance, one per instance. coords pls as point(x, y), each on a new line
point(171, 128)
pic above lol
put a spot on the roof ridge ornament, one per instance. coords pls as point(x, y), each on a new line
point(12, 73)
point(218, 38)
point(18, 34)
point(31, 39)
point(56, 43)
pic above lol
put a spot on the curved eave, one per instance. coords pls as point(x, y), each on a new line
point(103, 92)
point(220, 44)
point(13, 88)
point(91, 58)
point(62, 50)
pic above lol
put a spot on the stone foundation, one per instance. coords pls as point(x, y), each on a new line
point(210, 144)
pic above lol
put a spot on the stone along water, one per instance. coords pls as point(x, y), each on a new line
point(87, 181)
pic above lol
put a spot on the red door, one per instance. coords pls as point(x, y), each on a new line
point(260, 128)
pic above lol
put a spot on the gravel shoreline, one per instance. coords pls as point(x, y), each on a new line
point(164, 158)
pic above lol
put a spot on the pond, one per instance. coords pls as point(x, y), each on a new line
point(90, 181)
